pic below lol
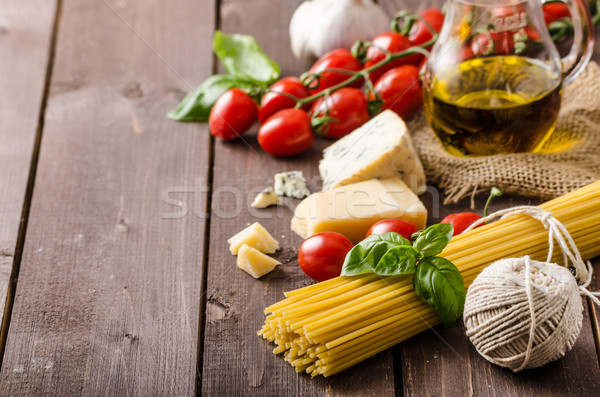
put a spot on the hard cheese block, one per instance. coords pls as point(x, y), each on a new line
point(351, 210)
point(256, 236)
point(266, 198)
point(254, 262)
point(381, 148)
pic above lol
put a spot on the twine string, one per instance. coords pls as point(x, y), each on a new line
point(557, 232)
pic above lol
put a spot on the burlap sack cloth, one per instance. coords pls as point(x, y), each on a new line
point(545, 175)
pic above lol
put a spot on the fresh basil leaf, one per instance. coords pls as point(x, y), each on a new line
point(397, 260)
point(439, 283)
point(416, 235)
point(395, 238)
point(196, 106)
point(434, 239)
point(243, 58)
point(365, 256)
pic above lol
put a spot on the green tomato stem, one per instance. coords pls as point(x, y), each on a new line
point(390, 57)
point(495, 192)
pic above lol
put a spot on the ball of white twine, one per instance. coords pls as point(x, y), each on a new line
point(520, 313)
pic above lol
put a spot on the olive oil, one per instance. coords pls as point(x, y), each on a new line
point(500, 104)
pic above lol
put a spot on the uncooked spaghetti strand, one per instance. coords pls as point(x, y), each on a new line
point(346, 296)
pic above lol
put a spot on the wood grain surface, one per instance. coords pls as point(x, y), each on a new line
point(108, 296)
point(126, 284)
point(235, 301)
point(23, 81)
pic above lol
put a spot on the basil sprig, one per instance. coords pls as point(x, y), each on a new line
point(387, 255)
point(435, 279)
point(248, 68)
point(243, 58)
point(196, 106)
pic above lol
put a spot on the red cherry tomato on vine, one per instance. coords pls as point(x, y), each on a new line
point(531, 33)
point(555, 11)
point(400, 226)
point(419, 33)
point(348, 106)
point(461, 221)
point(286, 133)
point(321, 256)
point(272, 102)
point(336, 59)
point(465, 52)
point(422, 64)
point(401, 90)
point(391, 42)
point(490, 43)
point(232, 114)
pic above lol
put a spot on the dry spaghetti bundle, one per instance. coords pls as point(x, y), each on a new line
point(330, 326)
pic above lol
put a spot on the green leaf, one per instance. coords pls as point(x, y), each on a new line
point(397, 260)
point(366, 255)
point(434, 239)
point(439, 283)
point(196, 106)
point(243, 58)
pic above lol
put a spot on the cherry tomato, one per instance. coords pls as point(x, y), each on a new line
point(401, 90)
point(461, 221)
point(232, 114)
point(419, 33)
point(555, 11)
point(465, 52)
point(336, 59)
point(532, 34)
point(490, 43)
point(391, 42)
point(286, 133)
point(321, 256)
point(348, 105)
point(422, 64)
point(400, 226)
point(272, 102)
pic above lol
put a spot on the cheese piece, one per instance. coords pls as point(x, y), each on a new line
point(351, 210)
point(256, 236)
point(381, 148)
point(291, 184)
point(254, 262)
point(266, 198)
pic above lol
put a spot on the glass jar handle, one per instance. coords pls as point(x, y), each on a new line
point(583, 40)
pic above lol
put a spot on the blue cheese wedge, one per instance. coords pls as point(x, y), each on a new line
point(381, 148)
point(266, 198)
point(291, 184)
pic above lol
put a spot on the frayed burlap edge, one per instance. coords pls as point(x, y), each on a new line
point(544, 175)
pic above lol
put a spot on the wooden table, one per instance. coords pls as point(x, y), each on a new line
point(115, 278)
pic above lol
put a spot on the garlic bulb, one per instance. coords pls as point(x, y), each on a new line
point(319, 26)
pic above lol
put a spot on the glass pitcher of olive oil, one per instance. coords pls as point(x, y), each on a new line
point(493, 81)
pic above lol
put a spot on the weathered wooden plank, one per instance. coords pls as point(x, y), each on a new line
point(23, 81)
point(236, 361)
point(109, 289)
point(444, 362)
